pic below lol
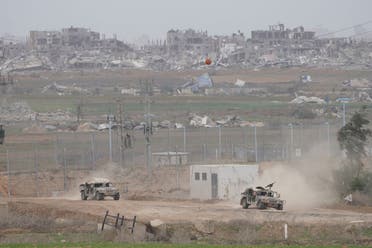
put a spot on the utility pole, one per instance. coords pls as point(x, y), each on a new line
point(328, 139)
point(219, 143)
point(120, 114)
point(184, 139)
point(110, 119)
point(8, 169)
point(343, 114)
point(255, 143)
point(93, 151)
point(148, 127)
point(291, 147)
point(64, 170)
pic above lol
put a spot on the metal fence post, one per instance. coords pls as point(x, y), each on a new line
point(219, 142)
point(8, 169)
point(184, 139)
point(56, 150)
point(93, 151)
point(36, 172)
point(255, 144)
point(64, 170)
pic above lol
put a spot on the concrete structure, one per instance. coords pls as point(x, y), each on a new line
point(45, 39)
point(278, 34)
point(169, 158)
point(78, 37)
point(190, 40)
point(221, 181)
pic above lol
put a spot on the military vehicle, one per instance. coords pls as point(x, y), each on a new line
point(98, 189)
point(262, 197)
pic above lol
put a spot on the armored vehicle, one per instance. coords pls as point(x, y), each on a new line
point(262, 197)
point(98, 189)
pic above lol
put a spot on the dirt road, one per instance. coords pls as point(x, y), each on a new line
point(190, 211)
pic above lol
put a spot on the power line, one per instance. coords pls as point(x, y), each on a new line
point(344, 29)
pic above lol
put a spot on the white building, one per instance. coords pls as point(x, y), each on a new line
point(221, 181)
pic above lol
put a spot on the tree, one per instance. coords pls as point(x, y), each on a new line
point(352, 138)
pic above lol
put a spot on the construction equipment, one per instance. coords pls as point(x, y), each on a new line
point(263, 197)
point(98, 189)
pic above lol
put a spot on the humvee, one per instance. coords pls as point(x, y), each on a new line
point(98, 189)
point(262, 197)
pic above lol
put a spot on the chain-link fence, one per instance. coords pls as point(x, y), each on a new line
point(202, 145)
point(67, 154)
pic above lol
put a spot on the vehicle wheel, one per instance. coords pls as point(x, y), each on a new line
point(116, 197)
point(261, 205)
point(83, 196)
point(279, 207)
point(99, 196)
point(245, 204)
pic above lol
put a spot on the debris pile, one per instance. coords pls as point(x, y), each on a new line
point(62, 90)
point(17, 111)
point(26, 62)
point(305, 99)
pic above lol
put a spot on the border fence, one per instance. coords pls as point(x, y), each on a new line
point(67, 153)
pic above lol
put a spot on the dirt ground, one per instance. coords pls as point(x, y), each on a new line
point(221, 222)
point(161, 197)
point(174, 211)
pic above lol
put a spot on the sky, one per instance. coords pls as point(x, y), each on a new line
point(132, 19)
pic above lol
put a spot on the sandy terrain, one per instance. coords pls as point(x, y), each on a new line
point(191, 211)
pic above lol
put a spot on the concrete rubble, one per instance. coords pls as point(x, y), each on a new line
point(277, 46)
point(62, 90)
point(21, 111)
point(305, 99)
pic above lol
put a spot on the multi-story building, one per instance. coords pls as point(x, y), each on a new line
point(45, 39)
point(190, 40)
point(278, 34)
point(78, 37)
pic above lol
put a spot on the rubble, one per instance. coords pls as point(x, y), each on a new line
point(87, 127)
point(279, 46)
point(239, 83)
point(62, 90)
point(199, 85)
point(26, 62)
point(201, 121)
point(229, 121)
point(305, 99)
point(17, 111)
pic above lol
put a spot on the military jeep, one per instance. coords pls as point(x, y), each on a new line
point(262, 197)
point(98, 189)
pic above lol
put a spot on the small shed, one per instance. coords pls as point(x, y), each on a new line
point(170, 158)
point(221, 181)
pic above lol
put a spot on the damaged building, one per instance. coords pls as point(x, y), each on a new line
point(200, 43)
point(277, 34)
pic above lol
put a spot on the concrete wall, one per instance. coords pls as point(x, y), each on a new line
point(232, 180)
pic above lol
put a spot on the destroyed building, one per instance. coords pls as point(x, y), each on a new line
point(72, 36)
point(41, 40)
point(277, 34)
point(78, 37)
point(279, 46)
point(190, 40)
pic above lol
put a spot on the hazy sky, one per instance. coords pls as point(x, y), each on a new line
point(130, 19)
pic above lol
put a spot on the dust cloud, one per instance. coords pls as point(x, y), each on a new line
point(305, 183)
point(108, 171)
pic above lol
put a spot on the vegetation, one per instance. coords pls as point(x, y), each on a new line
point(352, 139)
